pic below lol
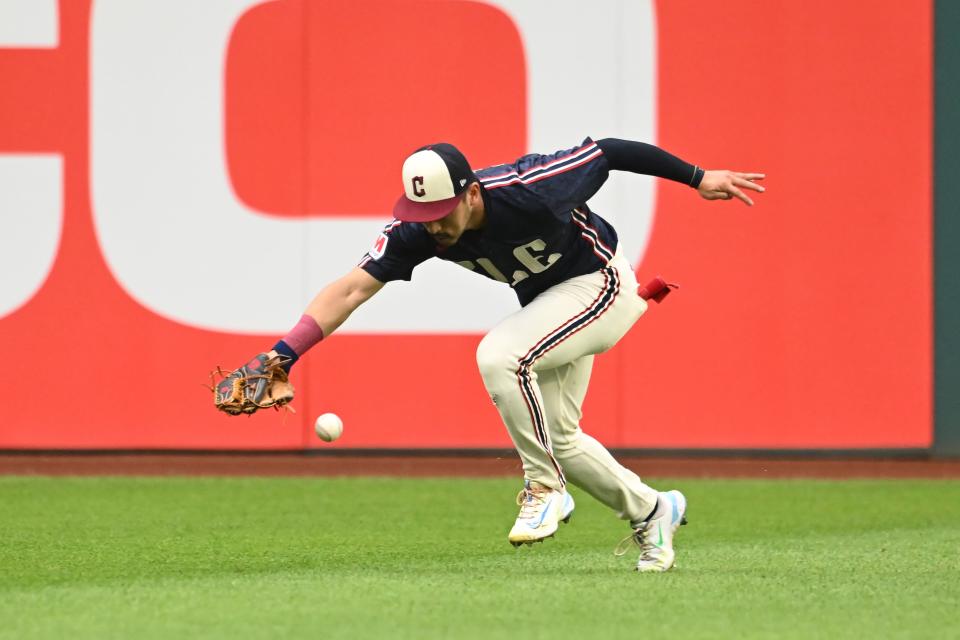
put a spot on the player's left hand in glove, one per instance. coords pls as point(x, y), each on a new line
point(259, 384)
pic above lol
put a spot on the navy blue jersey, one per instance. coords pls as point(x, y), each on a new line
point(538, 232)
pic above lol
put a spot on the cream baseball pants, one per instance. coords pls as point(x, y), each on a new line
point(536, 367)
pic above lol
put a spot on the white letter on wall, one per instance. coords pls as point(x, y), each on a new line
point(31, 185)
point(179, 241)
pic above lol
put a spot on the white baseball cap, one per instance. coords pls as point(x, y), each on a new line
point(434, 178)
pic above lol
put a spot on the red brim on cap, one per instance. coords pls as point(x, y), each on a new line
point(409, 211)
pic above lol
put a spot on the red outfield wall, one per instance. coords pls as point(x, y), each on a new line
point(804, 322)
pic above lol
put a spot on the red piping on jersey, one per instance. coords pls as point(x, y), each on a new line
point(591, 234)
point(545, 166)
point(549, 174)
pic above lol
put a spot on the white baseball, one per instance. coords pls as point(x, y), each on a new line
point(329, 427)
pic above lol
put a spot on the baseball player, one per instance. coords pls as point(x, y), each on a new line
point(526, 224)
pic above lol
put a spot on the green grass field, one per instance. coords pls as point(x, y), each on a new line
point(404, 558)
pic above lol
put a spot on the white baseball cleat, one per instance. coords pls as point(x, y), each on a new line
point(655, 537)
point(542, 509)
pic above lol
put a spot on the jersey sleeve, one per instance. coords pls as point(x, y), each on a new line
point(399, 248)
point(640, 157)
point(559, 182)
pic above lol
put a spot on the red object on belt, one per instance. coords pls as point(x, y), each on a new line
point(657, 289)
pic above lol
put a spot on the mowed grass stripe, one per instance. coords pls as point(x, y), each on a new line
point(415, 558)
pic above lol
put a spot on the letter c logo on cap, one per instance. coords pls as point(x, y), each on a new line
point(418, 186)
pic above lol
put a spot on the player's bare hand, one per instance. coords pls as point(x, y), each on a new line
point(726, 185)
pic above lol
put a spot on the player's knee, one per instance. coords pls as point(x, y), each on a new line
point(492, 359)
point(567, 445)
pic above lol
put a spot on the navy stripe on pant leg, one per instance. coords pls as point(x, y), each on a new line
point(602, 302)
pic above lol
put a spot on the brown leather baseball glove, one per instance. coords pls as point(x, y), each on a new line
point(259, 384)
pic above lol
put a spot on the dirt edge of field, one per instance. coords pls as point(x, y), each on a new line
point(299, 465)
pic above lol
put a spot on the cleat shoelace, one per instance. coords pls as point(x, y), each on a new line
point(639, 538)
point(529, 500)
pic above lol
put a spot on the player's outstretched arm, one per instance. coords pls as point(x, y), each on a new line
point(262, 382)
point(725, 185)
point(335, 302)
point(648, 159)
